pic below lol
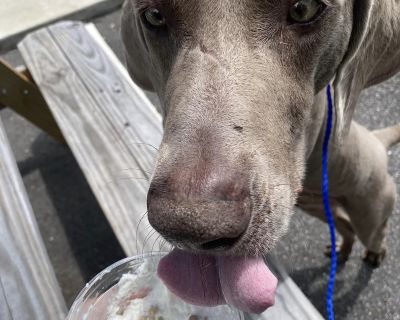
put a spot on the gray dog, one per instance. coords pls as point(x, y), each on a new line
point(242, 86)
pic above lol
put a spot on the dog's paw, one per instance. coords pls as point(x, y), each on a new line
point(374, 259)
point(342, 252)
point(328, 249)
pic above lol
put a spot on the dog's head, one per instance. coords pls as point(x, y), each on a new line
point(237, 80)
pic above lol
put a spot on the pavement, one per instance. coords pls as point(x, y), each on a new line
point(19, 17)
point(81, 243)
point(361, 292)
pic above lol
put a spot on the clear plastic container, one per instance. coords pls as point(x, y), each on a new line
point(131, 290)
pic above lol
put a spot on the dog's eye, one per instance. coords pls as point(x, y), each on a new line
point(154, 18)
point(305, 11)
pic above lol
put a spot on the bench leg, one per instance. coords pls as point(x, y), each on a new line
point(20, 93)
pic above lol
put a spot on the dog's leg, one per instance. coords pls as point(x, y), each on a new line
point(370, 219)
point(345, 229)
point(367, 193)
point(314, 206)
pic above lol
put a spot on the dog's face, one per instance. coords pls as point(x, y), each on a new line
point(237, 81)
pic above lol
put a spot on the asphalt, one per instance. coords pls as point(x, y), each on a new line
point(80, 242)
point(361, 292)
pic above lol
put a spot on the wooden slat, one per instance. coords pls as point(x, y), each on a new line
point(106, 119)
point(28, 287)
point(18, 92)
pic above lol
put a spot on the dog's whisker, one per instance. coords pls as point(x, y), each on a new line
point(154, 243)
point(117, 180)
point(144, 144)
point(136, 143)
point(147, 238)
point(137, 230)
point(132, 178)
point(161, 244)
point(137, 169)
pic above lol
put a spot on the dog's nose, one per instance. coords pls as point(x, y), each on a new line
point(208, 213)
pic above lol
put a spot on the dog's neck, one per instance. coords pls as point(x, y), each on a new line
point(382, 57)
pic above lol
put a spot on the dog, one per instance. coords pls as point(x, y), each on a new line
point(242, 88)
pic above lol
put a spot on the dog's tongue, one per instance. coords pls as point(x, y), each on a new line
point(193, 278)
point(245, 283)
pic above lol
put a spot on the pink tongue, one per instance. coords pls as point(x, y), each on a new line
point(245, 283)
point(193, 278)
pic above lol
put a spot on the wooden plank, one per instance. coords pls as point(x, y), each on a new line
point(108, 122)
point(18, 18)
point(18, 92)
point(28, 287)
point(5, 312)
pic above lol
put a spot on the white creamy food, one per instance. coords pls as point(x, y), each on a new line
point(142, 296)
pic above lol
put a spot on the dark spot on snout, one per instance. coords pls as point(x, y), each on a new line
point(238, 128)
point(203, 48)
point(211, 54)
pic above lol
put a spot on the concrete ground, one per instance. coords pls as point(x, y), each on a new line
point(17, 17)
point(361, 292)
point(80, 242)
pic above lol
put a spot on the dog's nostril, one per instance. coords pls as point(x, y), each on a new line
point(220, 244)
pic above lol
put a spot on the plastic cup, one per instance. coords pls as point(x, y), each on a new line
point(131, 290)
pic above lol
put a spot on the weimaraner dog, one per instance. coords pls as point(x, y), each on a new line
point(242, 87)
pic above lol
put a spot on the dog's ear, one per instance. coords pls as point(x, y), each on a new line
point(350, 76)
point(135, 47)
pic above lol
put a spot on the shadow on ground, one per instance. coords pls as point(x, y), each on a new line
point(318, 294)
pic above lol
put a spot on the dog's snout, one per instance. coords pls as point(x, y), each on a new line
point(202, 212)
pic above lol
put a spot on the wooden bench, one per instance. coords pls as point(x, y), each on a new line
point(114, 131)
point(28, 287)
point(108, 122)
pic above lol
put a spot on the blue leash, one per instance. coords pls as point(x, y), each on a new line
point(327, 206)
